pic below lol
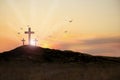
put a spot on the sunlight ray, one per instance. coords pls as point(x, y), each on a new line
point(16, 10)
point(49, 16)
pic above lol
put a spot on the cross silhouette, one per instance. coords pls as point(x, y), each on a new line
point(36, 42)
point(23, 40)
point(29, 32)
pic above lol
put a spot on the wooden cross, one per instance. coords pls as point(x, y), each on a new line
point(23, 40)
point(29, 32)
point(36, 42)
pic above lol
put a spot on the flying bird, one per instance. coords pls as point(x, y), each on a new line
point(50, 36)
point(65, 31)
point(70, 21)
point(18, 33)
point(21, 28)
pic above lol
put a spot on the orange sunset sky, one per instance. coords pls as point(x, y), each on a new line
point(94, 26)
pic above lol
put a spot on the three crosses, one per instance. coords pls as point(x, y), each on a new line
point(29, 32)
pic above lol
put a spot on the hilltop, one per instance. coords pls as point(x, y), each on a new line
point(38, 54)
point(36, 63)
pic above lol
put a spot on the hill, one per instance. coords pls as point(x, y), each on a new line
point(33, 53)
point(36, 63)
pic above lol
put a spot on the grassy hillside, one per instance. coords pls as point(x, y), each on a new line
point(35, 63)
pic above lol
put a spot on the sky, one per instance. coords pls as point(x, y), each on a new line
point(88, 26)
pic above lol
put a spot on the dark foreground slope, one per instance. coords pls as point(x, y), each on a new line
point(35, 63)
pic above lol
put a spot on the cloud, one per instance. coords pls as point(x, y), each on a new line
point(99, 41)
point(108, 46)
point(103, 51)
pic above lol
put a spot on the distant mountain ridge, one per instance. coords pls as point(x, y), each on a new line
point(38, 54)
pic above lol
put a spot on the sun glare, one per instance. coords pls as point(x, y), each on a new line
point(32, 42)
point(45, 45)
